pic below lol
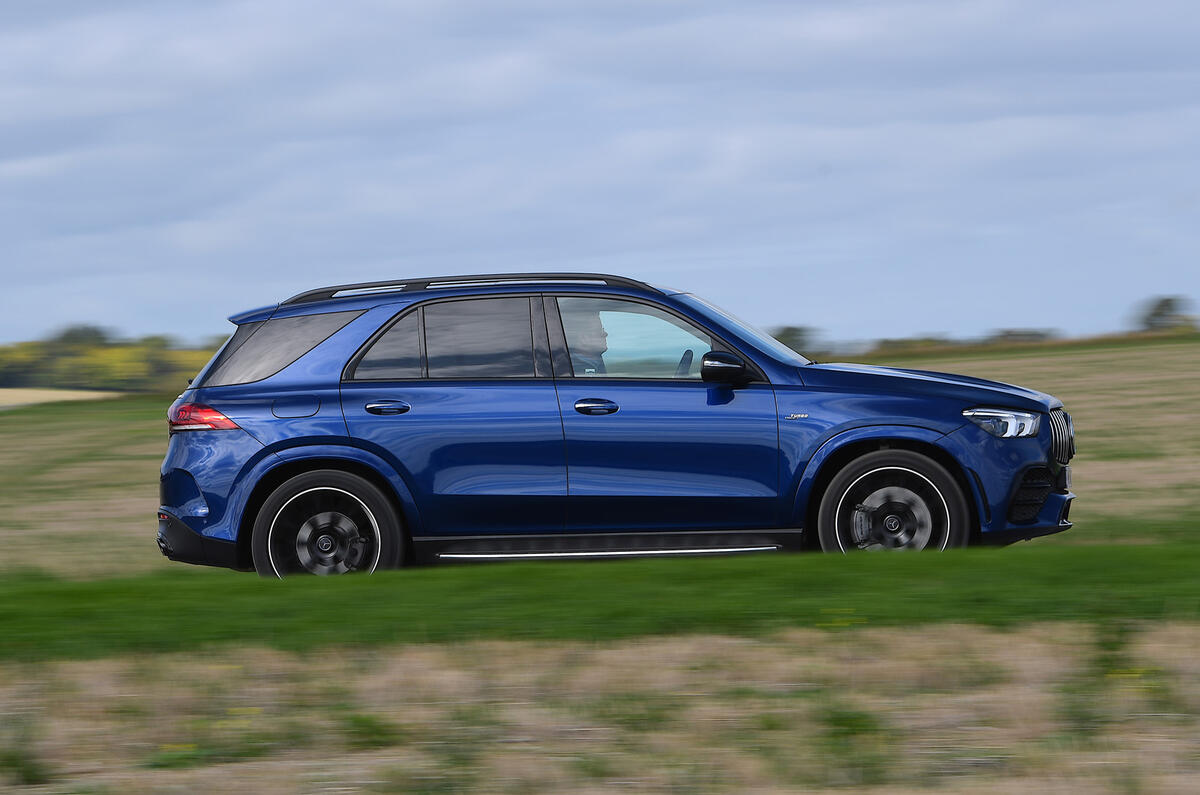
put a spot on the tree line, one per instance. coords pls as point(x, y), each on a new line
point(1161, 315)
point(88, 357)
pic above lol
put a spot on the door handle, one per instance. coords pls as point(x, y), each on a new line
point(595, 406)
point(387, 407)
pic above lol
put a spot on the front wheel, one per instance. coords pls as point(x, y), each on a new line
point(325, 522)
point(893, 499)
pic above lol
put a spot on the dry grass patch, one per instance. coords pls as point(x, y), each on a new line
point(957, 708)
point(81, 487)
point(10, 397)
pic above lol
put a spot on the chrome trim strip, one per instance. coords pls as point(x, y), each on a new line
point(1062, 437)
point(608, 553)
point(643, 533)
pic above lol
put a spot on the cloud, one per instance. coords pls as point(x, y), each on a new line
point(872, 168)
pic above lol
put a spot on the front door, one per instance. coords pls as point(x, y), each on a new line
point(457, 395)
point(650, 446)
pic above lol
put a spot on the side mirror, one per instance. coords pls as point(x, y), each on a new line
point(719, 367)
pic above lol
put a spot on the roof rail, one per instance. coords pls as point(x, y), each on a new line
point(432, 282)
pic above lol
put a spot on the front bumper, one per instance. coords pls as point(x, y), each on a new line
point(1053, 518)
point(179, 542)
point(1019, 489)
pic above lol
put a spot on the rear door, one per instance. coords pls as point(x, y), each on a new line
point(457, 394)
point(650, 446)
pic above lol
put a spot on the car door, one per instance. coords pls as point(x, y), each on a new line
point(650, 446)
point(457, 395)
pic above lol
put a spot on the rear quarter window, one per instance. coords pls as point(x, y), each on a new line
point(396, 355)
point(259, 350)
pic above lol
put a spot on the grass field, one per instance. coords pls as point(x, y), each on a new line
point(80, 485)
point(957, 709)
point(188, 610)
point(1065, 664)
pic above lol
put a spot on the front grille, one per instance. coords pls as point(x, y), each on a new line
point(1027, 503)
point(1063, 435)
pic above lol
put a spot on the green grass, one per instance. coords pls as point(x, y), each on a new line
point(635, 712)
point(42, 617)
point(19, 759)
point(857, 746)
point(365, 731)
point(125, 436)
point(1156, 528)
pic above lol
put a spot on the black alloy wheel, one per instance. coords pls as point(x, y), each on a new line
point(325, 522)
point(893, 500)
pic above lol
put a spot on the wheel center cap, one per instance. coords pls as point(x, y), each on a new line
point(325, 543)
point(892, 524)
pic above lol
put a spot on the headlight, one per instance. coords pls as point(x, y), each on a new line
point(1004, 423)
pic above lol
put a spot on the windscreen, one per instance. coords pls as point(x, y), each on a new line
point(755, 336)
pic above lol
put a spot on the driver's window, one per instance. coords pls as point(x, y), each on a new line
point(607, 337)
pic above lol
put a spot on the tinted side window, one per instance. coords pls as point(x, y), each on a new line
point(479, 338)
point(395, 356)
point(272, 346)
point(626, 339)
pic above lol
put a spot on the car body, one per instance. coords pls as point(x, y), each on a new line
point(547, 415)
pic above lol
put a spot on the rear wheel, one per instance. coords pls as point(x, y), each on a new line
point(893, 499)
point(325, 522)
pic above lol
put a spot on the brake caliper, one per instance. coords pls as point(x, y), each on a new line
point(864, 520)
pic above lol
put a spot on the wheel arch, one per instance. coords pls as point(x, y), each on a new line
point(837, 458)
point(273, 478)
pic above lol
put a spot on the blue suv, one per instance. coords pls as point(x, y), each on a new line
point(509, 416)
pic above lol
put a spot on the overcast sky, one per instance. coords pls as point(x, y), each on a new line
point(869, 168)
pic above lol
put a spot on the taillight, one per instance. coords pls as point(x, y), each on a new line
point(197, 417)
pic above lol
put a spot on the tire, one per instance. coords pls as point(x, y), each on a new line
point(893, 499)
point(326, 522)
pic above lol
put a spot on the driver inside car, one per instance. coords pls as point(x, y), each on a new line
point(587, 341)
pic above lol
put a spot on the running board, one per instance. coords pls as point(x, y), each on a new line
point(603, 553)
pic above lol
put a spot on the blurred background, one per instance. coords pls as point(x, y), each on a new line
point(1002, 188)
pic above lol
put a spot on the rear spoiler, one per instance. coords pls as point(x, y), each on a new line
point(251, 315)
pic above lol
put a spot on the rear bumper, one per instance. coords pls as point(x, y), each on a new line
point(179, 542)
